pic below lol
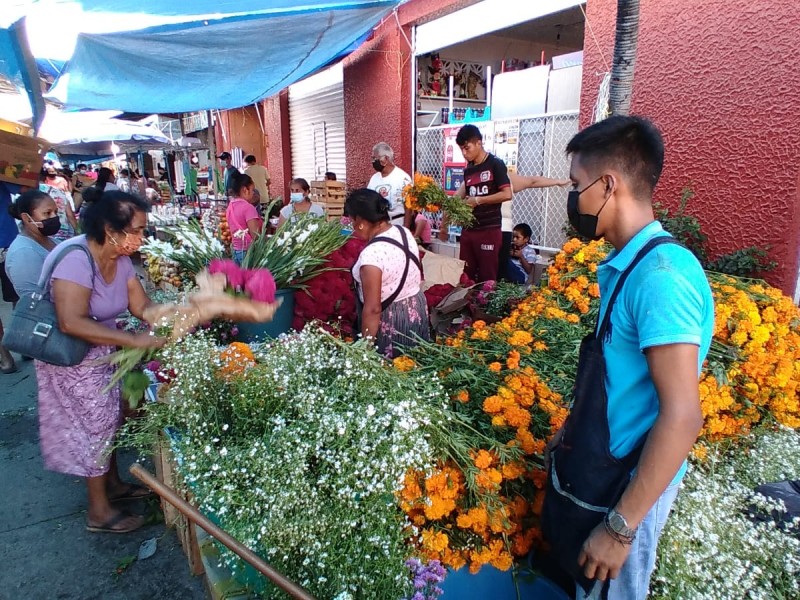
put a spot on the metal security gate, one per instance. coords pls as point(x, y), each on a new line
point(542, 144)
point(316, 125)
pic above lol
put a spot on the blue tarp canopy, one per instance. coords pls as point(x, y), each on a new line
point(208, 54)
point(17, 65)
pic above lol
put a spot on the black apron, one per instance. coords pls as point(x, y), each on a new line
point(585, 480)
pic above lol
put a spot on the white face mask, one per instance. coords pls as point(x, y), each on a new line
point(297, 197)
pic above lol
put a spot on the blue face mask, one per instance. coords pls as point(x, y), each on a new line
point(297, 197)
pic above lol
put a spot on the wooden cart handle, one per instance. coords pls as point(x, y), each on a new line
point(195, 516)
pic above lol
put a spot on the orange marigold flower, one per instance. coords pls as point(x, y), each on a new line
point(521, 542)
point(517, 417)
point(483, 459)
point(513, 470)
point(404, 363)
point(493, 404)
point(463, 396)
point(495, 367)
point(436, 541)
point(513, 359)
point(489, 479)
point(520, 338)
point(236, 359)
point(438, 507)
point(498, 421)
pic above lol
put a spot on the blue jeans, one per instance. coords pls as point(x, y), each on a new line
point(633, 581)
point(238, 256)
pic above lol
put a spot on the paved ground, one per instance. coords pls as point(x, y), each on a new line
point(45, 552)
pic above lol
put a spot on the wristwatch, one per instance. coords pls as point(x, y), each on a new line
point(617, 523)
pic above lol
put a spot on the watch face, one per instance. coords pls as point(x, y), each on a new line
point(617, 522)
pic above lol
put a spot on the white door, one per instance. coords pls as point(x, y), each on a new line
point(316, 125)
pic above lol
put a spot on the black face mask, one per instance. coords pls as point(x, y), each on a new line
point(376, 164)
point(585, 225)
point(49, 226)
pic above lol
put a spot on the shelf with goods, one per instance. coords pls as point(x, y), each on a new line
point(452, 91)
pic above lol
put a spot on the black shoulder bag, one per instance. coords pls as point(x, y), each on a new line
point(34, 330)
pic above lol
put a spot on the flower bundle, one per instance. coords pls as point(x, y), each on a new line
point(498, 298)
point(725, 542)
point(224, 292)
point(754, 371)
point(329, 297)
point(425, 195)
point(256, 284)
point(573, 275)
point(482, 508)
point(189, 251)
point(300, 452)
point(526, 362)
point(297, 252)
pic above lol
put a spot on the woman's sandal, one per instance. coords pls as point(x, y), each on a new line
point(108, 526)
point(132, 492)
point(12, 368)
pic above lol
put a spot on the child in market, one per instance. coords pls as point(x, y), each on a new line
point(522, 256)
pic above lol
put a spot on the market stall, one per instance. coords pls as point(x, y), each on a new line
point(386, 473)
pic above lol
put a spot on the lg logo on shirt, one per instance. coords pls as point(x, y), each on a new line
point(475, 190)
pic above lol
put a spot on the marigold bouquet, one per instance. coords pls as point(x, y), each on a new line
point(425, 195)
point(526, 363)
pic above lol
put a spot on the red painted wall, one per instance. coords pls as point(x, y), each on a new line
point(279, 153)
point(377, 89)
point(720, 78)
point(376, 105)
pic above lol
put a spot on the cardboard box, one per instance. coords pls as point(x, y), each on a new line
point(20, 159)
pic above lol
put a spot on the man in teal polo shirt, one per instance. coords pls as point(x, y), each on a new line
point(658, 335)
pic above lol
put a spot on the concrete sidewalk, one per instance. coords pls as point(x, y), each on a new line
point(45, 551)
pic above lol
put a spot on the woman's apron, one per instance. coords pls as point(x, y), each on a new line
point(585, 480)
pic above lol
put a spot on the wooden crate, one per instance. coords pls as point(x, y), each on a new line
point(331, 194)
point(184, 529)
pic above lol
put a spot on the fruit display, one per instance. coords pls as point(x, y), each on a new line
point(161, 270)
point(223, 233)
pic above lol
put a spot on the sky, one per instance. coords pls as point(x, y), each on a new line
point(53, 25)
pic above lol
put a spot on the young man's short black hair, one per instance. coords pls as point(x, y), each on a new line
point(632, 145)
point(468, 133)
point(250, 159)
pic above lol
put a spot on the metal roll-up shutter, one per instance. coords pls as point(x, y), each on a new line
point(316, 124)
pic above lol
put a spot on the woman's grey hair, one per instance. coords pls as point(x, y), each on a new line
point(383, 149)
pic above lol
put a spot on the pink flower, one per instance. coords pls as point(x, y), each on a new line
point(232, 271)
point(260, 286)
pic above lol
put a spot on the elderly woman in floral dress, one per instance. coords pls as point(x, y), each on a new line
point(388, 274)
point(78, 414)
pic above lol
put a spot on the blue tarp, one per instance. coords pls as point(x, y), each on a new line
point(221, 63)
point(17, 65)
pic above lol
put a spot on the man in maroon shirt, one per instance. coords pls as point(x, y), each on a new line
point(486, 186)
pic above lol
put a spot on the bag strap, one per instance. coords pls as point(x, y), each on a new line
point(605, 326)
point(410, 257)
point(44, 278)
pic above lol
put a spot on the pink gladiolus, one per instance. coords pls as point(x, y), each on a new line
point(260, 286)
point(232, 271)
